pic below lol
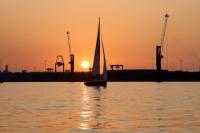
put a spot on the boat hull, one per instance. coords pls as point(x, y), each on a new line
point(95, 83)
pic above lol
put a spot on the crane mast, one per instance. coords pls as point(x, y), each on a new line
point(159, 48)
point(71, 55)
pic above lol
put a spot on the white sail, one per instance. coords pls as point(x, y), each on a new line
point(96, 62)
point(96, 65)
point(104, 64)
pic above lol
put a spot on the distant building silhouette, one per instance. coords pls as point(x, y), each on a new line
point(6, 69)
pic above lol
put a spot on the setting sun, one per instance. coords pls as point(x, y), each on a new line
point(85, 64)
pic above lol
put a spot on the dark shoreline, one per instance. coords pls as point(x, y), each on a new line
point(113, 76)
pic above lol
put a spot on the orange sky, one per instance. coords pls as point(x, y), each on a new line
point(32, 31)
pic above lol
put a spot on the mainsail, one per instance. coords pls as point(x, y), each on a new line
point(96, 62)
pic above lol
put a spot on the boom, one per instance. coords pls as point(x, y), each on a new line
point(71, 55)
point(69, 43)
point(163, 33)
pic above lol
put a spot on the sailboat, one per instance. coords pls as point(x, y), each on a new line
point(97, 80)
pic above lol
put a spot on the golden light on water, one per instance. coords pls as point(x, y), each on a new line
point(86, 112)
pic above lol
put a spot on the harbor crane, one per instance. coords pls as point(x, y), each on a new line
point(71, 55)
point(159, 47)
point(59, 62)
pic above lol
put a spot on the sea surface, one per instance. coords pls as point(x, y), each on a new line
point(122, 107)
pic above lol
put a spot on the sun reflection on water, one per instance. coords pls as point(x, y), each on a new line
point(85, 113)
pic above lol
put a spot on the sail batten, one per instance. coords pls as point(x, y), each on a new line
point(96, 62)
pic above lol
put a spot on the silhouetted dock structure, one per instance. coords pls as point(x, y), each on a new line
point(118, 75)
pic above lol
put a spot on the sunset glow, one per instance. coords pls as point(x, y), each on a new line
point(34, 31)
point(85, 64)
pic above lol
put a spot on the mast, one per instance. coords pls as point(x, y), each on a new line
point(96, 61)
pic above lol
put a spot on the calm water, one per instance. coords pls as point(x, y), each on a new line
point(121, 107)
